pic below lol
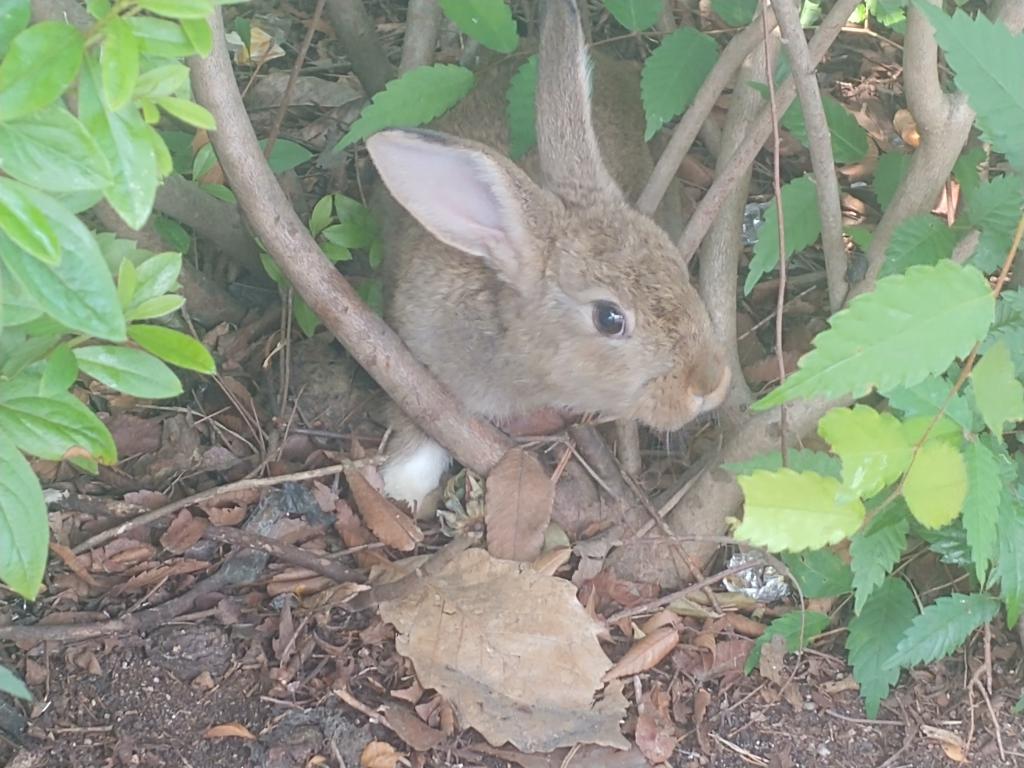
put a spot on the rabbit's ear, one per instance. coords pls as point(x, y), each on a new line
point(566, 142)
point(461, 195)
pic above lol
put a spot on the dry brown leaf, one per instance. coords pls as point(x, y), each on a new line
point(512, 650)
point(407, 725)
point(772, 663)
point(655, 732)
point(388, 523)
point(518, 503)
point(183, 532)
point(645, 654)
point(549, 562)
point(663, 618)
point(906, 126)
point(74, 563)
point(950, 742)
point(380, 754)
point(228, 730)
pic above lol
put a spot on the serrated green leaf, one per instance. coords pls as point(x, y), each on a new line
point(798, 627)
point(984, 57)
point(10, 683)
point(119, 62)
point(870, 444)
point(948, 542)
point(128, 370)
point(24, 220)
point(188, 112)
point(173, 347)
point(51, 150)
point(800, 459)
point(1010, 567)
point(981, 507)
point(991, 250)
point(24, 529)
point(41, 62)
point(910, 327)
point(155, 307)
point(179, 9)
point(997, 392)
point(922, 239)
point(874, 635)
point(735, 13)
point(892, 167)
point(941, 628)
point(162, 38)
point(820, 572)
point(926, 397)
point(199, 34)
point(849, 140)
point(521, 109)
point(792, 511)
point(803, 226)
point(489, 22)
point(996, 205)
point(936, 484)
point(673, 74)
point(875, 550)
point(415, 98)
point(60, 371)
point(50, 426)
point(944, 430)
point(635, 15)
point(156, 276)
point(967, 170)
point(14, 17)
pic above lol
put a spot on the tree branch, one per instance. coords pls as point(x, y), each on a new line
point(354, 28)
point(422, 22)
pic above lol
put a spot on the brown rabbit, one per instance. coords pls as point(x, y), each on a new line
point(522, 294)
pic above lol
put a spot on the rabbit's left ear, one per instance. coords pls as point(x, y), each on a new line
point(461, 195)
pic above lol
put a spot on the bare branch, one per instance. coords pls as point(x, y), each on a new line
point(422, 22)
point(358, 36)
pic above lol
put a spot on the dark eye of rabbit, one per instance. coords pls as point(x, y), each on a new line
point(609, 319)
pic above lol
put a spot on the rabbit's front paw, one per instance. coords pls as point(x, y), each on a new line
point(414, 472)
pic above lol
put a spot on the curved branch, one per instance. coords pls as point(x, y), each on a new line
point(422, 22)
point(367, 338)
point(358, 37)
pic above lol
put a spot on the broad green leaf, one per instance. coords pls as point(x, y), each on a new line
point(52, 151)
point(635, 15)
point(52, 425)
point(891, 13)
point(967, 171)
point(871, 445)
point(986, 58)
point(1010, 566)
point(521, 109)
point(165, 80)
point(286, 155)
point(991, 250)
point(127, 282)
point(944, 430)
point(792, 511)
point(161, 38)
point(128, 370)
point(489, 22)
point(874, 635)
point(119, 62)
point(996, 205)
point(24, 529)
point(941, 628)
point(735, 13)
point(173, 347)
point(10, 683)
point(875, 550)
point(981, 507)
point(892, 167)
point(41, 62)
point(179, 9)
point(158, 306)
point(910, 327)
point(800, 459)
point(415, 98)
point(24, 220)
point(157, 275)
point(322, 214)
point(997, 392)
point(78, 293)
point(803, 225)
point(188, 112)
point(673, 74)
point(335, 253)
point(926, 397)
point(936, 484)
point(849, 140)
point(199, 34)
point(799, 628)
point(304, 316)
point(820, 572)
point(921, 239)
point(14, 17)
point(60, 372)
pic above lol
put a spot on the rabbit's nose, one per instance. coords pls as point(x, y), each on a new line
point(713, 392)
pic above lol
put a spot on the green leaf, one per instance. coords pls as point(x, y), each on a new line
point(799, 628)
point(803, 225)
point(981, 507)
point(991, 250)
point(800, 459)
point(875, 550)
point(60, 372)
point(199, 34)
point(1010, 566)
point(735, 13)
point(941, 628)
point(944, 430)
point(997, 392)
point(967, 171)
point(155, 307)
point(820, 572)
point(871, 445)
point(24, 220)
point(179, 9)
point(415, 98)
point(174, 347)
point(787, 510)
point(41, 62)
point(52, 425)
point(936, 484)
point(521, 109)
point(157, 275)
point(51, 150)
point(849, 140)
point(921, 239)
point(673, 74)
point(926, 397)
point(162, 39)
point(127, 370)
point(892, 167)
point(165, 80)
point(874, 635)
point(286, 155)
point(996, 205)
point(489, 22)
point(304, 316)
point(948, 542)
point(322, 214)
point(984, 57)
point(24, 529)
point(14, 17)
point(910, 327)
point(635, 15)
point(188, 112)
point(9, 682)
point(119, 62)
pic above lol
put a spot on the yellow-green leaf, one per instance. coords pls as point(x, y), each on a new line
point(872, 446)
point(936, 485)
point(997, 392)
point(173, 346)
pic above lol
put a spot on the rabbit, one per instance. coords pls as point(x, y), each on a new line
point(523, 294)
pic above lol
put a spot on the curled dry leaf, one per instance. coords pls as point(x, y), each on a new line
point(518, 500)
point(645, 654)
point(950, 742)
point(227, 730)
point(388, 523)
point(407, 725)
point(663, 618)
point(183, 533)
point(655, 732)
point(549, 562)
point(380, 754)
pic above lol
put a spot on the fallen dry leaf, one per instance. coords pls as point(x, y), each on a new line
point(380, 754)
point(407, 725)
point(512, 650)
point(518, 500)
point(388, 523)
point(183, 532)
point(228, 730)
point(950, 742)
point(645, 654)
point(655, 732)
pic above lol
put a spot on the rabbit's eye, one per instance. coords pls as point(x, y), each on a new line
point(609, 319)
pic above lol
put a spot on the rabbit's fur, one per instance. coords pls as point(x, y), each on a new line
point(493, 278)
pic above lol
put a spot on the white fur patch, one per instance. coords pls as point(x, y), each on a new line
point(410, 476)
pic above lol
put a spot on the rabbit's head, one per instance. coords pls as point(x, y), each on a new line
point(593, 298)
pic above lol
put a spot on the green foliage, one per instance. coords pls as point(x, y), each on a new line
point(521, 109)
point(871, 445)
point(22, 510)
point(875, 550)
point(673, 74)
point(635, 15)
point(820, 572)
point(892, 167)
point(10, 683)
point(802, 225)
point(997, 392)
point(981, 507)
point(1010, 568)
point(489, 22)
point(936, 484)
point(941, 627)
point(735, 13)
point(802, 460)
point(922, 239)
point(799, 628)
point(927, 397)
point(849, 140)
